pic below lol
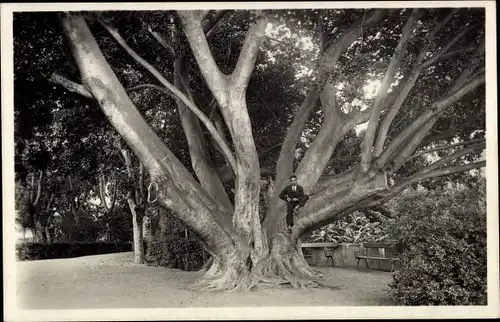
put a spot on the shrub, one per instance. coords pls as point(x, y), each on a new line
point(36, 251)
point(177, 252)
point(171, 248)
point(441, 237)
point(355, 228)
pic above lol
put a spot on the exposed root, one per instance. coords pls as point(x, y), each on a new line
point(284, 265)
point(277, 270)
point(221, 276)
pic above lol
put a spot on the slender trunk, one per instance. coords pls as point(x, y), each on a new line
point(137, 219)
point(47, 235)
point(39, 230)
point(76, 214)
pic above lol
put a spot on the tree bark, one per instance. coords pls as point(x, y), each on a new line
point(137, 229)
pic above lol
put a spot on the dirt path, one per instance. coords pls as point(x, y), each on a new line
point(112, 281)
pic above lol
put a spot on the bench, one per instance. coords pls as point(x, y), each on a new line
point(380, 246)
point(321, 248)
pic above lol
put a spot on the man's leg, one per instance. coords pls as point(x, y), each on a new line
point(289, 215)
point(302, 200)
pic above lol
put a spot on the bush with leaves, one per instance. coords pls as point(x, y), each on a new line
point(173, 246)
point(37, 251)
point(441, 237)
point(355, 228)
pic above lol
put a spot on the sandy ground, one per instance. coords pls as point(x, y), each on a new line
point(113, 281)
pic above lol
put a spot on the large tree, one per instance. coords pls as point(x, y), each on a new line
point(430, 64)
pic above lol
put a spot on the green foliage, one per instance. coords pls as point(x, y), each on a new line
point(176, 252)
point(37, 251)
point(441, 237)
point(355, 228)
point(173, 246)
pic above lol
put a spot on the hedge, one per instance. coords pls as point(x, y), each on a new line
point(175, 252)
point(37, 251)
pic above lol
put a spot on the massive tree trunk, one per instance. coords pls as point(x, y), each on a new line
point(243, 250)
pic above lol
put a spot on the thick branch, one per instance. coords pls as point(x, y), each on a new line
point(210, 127)
point(248, 54)
point(412, 79)
point(328, 61)
point(332, 54)
point(417, 136)
point(209, 26)
point(335, 126)
point(214, 78)
point(428, 174)
point(366, 154)
point(423, 120)
point(200, 158)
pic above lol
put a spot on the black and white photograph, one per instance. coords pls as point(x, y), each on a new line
point(249, 160)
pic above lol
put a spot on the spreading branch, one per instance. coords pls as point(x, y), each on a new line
point(411, 80)
point(214, 78)
point(423, 120)
point(429, 174)
point(366, 154)
point(328, 61)
point(248, 55)
point(210, 127)
point(445, 147)
point(452, 157)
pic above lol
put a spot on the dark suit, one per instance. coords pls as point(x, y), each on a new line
point(290, 193)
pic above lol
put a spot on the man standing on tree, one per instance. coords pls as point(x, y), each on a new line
point(294, 196)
